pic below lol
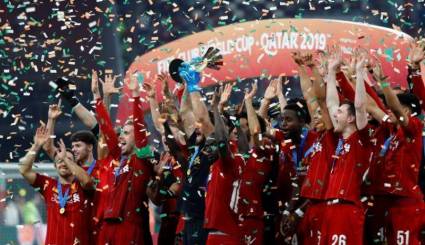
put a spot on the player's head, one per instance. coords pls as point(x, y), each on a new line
point(294, 117)
point(410, 104)
point(61, 168)
point(126, 138)
point(317, 122)
point(83, 142)
point(345, 116)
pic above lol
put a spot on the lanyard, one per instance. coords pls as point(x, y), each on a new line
point(92, 165)
point(301, 147)
point(195, 154)
point(338, 151)
point(386, 146)
point(62, 198)
point(117, 170)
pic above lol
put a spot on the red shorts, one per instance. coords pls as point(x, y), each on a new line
point(406, 220)
point(252, 230)
point(342, 224)
point(222, 239)
point(123, 233)
point(308, 230)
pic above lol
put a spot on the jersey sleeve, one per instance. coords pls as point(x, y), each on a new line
point(140, 135)
point(346, 89)
point(107, 129)
point(42, 184)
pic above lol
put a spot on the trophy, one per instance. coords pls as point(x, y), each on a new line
point(191, 71)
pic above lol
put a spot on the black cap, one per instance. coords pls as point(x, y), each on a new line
point(173, 69)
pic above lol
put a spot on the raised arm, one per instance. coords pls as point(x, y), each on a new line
point(280, 96)
point(332, 97)
point(221, 135)
point(201, 112)
point(53, 115)
point(25, 166)
point(253, 123)
point(186, 113)
point(361, 96)
point(109, 89)
point(140, 135)
point(82, 176)
point(391, 98)
point(416, 56)
point(105, 123)
point(154, 107)
point(319, 87)
point(269, 94)
point(306, 85)
point(225, 96)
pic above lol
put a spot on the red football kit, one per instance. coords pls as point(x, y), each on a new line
point(292, 162)
point(253, 177)
point(220, 201)
point(400, 181)
point(68, 211)
point(319, 158)
point(344, 216)
point(126, 216)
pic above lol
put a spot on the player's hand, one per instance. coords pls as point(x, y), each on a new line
point(109, 86)
point(416, 54)
point(378, 74)
point(271, 90)
point(250, 94)
point(335, 60)
point(54, 111)
point(133, 84)
point(61, 150)
point(297, 57)
point(225, 94)
point(41, 136)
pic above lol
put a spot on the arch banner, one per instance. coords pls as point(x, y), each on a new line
point(263, 48)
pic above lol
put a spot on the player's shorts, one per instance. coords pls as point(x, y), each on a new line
point(216, 238)
point(252, 230)
point(123, 233)
point(406, 222)
point(342, 224)
point(308, 230)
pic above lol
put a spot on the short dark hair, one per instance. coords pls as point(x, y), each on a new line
point(84, 136)
point(351, 108)
point(299, 106)
point(262, 122)
point(410, 100)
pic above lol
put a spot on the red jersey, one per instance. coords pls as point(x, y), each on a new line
point(319, 158)
point(255, 173)
point(402, 161)
point(379, 143)
point(101, 173)
point(351, 160)
point(292, 162)
point(73, 226)
point(220, 204)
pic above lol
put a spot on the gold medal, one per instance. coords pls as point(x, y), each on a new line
point(62, 210)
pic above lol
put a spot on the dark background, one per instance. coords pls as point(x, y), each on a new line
point(36, 46)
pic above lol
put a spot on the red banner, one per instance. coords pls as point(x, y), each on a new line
point(263, 48)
